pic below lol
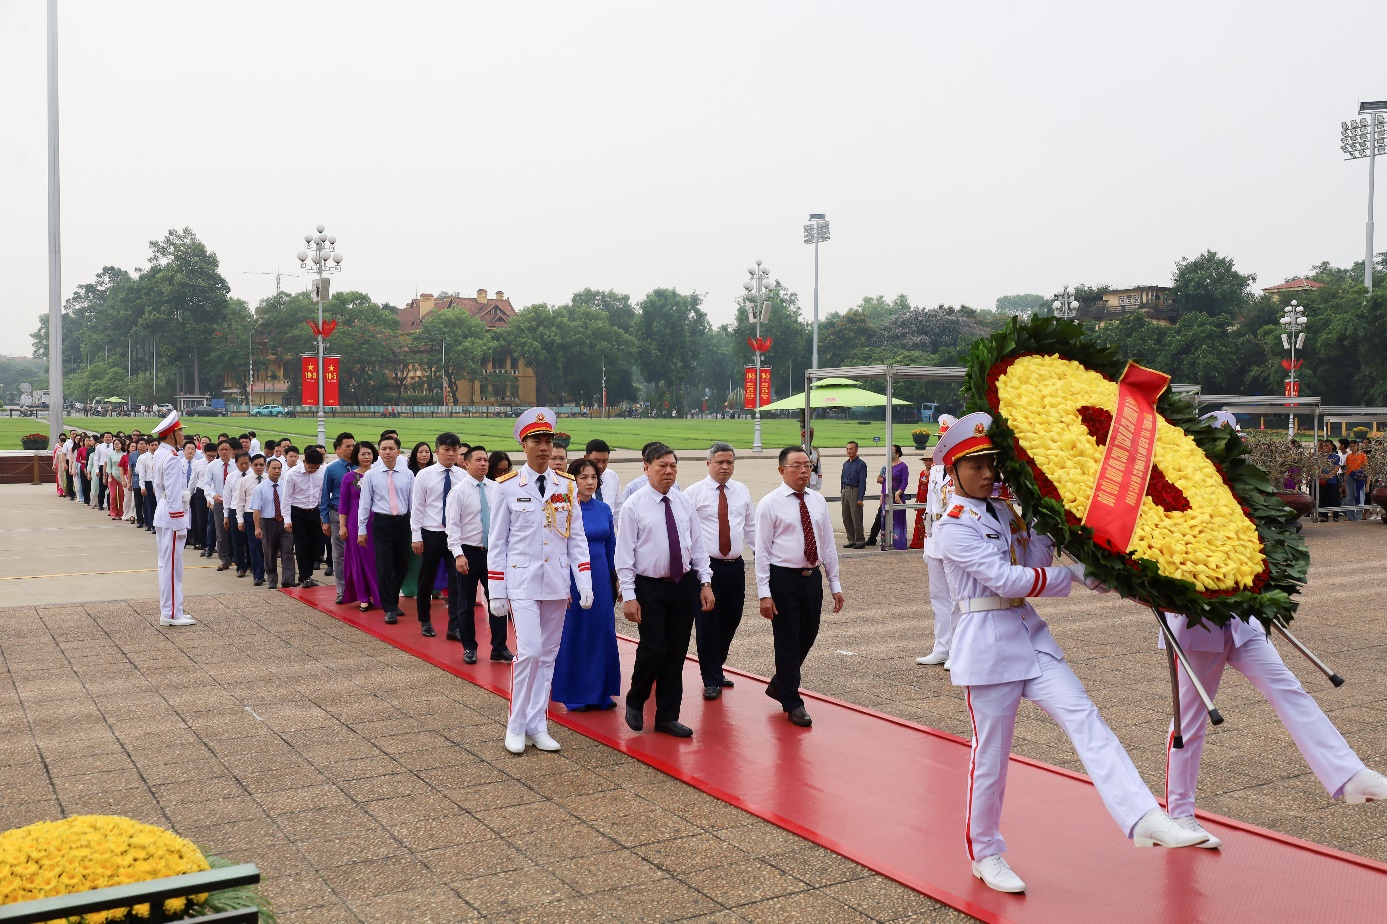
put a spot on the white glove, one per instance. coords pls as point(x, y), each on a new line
point(585, 598)
point(498, 606)
point(1092, 583)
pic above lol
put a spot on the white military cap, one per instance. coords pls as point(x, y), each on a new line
point(168, 425)
point(965, 437)
point(535, 420)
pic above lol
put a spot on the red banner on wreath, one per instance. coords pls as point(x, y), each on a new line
point(331, 365)
point(310, 379)
point(1127, 459)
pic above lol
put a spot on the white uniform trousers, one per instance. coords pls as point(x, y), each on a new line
point(538, 631)
point(1324, 749)
point(170, 571)
point(942, 602)
point(992, 709)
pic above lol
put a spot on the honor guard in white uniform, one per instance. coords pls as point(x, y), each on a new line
point(171, 493)
point(937, 501)
point(1002, 651)
point(536, 540)
point(1246, 648)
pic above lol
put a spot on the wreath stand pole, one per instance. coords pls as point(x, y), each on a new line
point(1334, 678)
point(1177, 739)
point(1173, 646)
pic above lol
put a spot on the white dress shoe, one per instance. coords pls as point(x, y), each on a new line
point(543, 741)
point(1190, 823)
point(1365, 786)
point(933, 658)
point(1156, 827)
point(996, 874)
point(515, 743)
point(184, 620)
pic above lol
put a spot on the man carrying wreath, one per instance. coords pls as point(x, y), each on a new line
point(1002, 651)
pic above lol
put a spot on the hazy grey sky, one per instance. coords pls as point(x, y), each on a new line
point(962, 151)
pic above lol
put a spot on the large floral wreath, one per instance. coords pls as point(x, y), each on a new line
point(1211, 540)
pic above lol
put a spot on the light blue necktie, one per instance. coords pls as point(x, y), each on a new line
point(188, 475)
point(447, 486)
point(486, 514)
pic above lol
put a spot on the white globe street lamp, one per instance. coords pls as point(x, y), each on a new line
point(325, 257)
point(759, 286)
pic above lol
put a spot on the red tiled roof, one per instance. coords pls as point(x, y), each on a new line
point(1296, 284)
point(494, 312)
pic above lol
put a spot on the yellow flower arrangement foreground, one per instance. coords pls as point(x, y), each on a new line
point(1212, 544)
point(92, 852)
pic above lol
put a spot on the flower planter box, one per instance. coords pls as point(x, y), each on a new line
point(34, 444)
point(921, 441)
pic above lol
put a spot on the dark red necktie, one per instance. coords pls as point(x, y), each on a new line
point(278, 514)
point(676, 551)
point(811, 543)
point(724, 525)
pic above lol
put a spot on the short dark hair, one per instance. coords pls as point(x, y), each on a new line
point(314, 456)
point(392, 437)
point(852, 442)
point(655, 451)
point(106, 433)
point(242, 455)
point(364, 444)
point(220, 443)
point(258, 455)
point(646, 447)
point(251, 433)
point(473, 450)
point(341, 438)
point(291, 448)
point(243, 436)
point(596, 446)
point(274, 460)
point(394, 433)
point(189, 442)
point(789, 451)
point(575, 468)
point(448, 438)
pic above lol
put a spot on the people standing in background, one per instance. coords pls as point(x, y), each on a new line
point(70, 466)
point(558, 460)
point(254, 445)
point(428, 513)
point(136, 490)
point(806, 439)
point(147, 479)
point(115, 474)
point(938, 488)
point(360, 585)
point(59, 452)
point(497, 464)
point(218, 471)
point(268, 510)
point(209, 541)
point(328, 506)
point(420, 458)
point(240, 550)
point(723, 510)
point(385, 494)
point(896, 486)
point(103, 449)
point(1330, 473)
point(853, 488)
point(643, 479)
point(197, 514)
point(608, 483)
point(245, 492)
point(470, 509)
point(1355, 477)
point(304, 488)
point(587, 671)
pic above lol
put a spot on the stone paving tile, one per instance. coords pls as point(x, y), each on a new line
point(513, 890)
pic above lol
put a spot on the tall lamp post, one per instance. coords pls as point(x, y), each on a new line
point(814, 232)
point(322, 252)
point(758, 286)
point(1065, 305)
point(1366, 137)
point(1293, 338)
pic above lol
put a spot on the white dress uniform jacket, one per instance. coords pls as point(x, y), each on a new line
point(167, 474)
point(984, 560)
point(527, 559)
point(938, 499)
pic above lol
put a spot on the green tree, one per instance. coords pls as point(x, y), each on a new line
point(1023, 305)
point(567, 346)
point(844, 338)
point(185, 301)
point(1211, 284)
point(456, 345)
point(671, 328)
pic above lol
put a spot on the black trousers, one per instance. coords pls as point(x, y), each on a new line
point(799, 599)
point(71, 492)
point(876, 527)
point(391, 538)
point(714, 629)
point(240, 542)
point(465, 622)
point(100, 490)
point(277, 548)
point(197, 532)
point(667, 616)
point(435, 551)
point(308, 536)
point(150, 502)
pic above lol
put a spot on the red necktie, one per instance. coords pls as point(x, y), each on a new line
point(811, 543)
point(278, 514)
point(724, 527)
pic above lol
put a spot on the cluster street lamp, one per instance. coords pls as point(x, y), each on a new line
point(1293, 338)
point(759, 286)
point(322, 252)
point(1366, 137)
point(814, 232)
point(1065, 305)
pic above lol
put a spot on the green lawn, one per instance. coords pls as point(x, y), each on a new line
point(495, 433)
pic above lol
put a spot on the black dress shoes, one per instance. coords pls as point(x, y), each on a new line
point(452, 636)
point(339, 599)
point(799, 717)
point(675, 729)
point(308, 582)
point(427, 630)
point(390, 618)
point(726, 683)
point(469, 656)
point(772, 692)
point(327, 572)
point(634, 720)
point(502, 654)
point(712, 692)
point(260, 582)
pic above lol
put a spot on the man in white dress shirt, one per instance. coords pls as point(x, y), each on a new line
point(794, 537)
point(385, 492)
point(214, 487)
point(198, 530)
point(608, 482)
point(170, 520)
point(937, 501)
point(270, 513)
point(469, 532)
point(240, 552)
point(1002, 652)
point(149, 473)
point(641, 480)
point(536, 540)
point(727, 517)
point(664, 576)
point(428, 524)
point(303, 486)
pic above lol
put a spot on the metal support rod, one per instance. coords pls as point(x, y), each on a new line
point(1372, 179)
point(55, 240)
point(1177, 738)
point(1280, 627)
point(1215, 718)
point(887, 511)
point(814, 361)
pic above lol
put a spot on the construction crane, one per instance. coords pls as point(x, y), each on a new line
point(279, 277)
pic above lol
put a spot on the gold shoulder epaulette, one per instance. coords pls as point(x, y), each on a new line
point(508, 476)
point(566, 475)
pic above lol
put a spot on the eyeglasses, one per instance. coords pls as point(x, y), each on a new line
point(799, 465)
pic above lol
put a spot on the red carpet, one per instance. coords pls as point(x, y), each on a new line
point(889, 794)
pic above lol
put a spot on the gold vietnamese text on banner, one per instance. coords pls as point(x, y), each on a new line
point(1127, 459)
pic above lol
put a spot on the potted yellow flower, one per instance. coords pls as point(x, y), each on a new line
point(921, 437)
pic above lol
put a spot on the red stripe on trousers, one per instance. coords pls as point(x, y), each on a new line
point(972, 768)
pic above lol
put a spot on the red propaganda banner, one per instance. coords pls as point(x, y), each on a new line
point(1127, 459)
point(765, 390)
point(749, 388)
point(1292, 389)
point(330, 366)
point(310, 379)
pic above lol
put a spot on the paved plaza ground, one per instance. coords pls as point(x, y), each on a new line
point(369, 786)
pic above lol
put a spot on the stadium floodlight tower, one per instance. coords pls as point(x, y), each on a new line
point(1366, 137)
